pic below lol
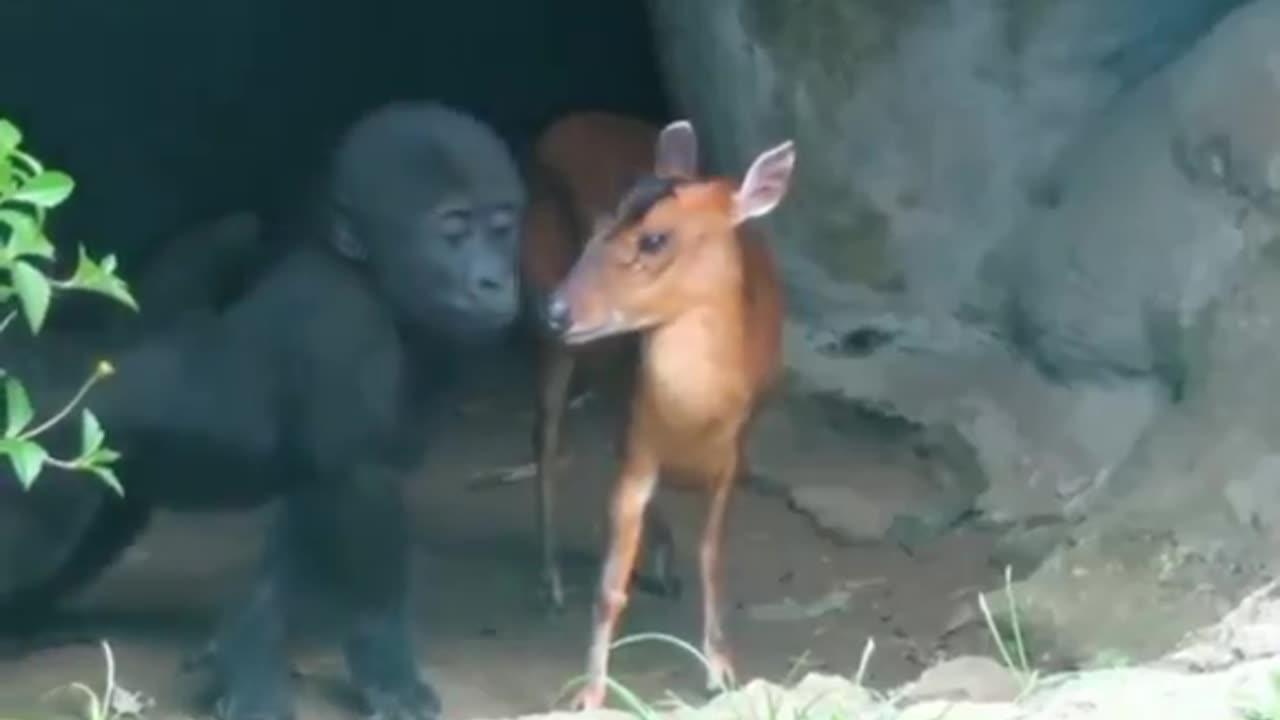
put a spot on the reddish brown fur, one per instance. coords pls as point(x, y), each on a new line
point(584, 161)
point(708, 307)
point(581, 163)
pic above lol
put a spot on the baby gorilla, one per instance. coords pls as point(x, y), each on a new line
point(314, 387)
point(420, 265)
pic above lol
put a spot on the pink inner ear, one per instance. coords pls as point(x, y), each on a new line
point(766, 181)
point(677, 151)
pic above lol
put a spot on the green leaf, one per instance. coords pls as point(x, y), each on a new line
point(91, 435)
point(89, 276)
point(25, 237)
point(10, 137)
point(108, 476)
point(19, 223)
point(37, 244)
point(34, 293)
point(27, 458)
point(34, 166)
point(102, 456)
point(7, 180)
point(47, 189)
point(18, 411)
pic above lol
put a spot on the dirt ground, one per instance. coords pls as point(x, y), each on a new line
point(488, 647)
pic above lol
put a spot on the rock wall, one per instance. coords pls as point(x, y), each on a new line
point(926, 129)
point(1044, 230)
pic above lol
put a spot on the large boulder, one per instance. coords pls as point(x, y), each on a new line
point(925, 129)
point(930, 139)
point(1044, 229)
point(1160, 259)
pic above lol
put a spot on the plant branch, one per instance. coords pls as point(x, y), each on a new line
point(66, 410)
point(62, 464)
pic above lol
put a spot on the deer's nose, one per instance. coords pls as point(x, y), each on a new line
point(558, 317)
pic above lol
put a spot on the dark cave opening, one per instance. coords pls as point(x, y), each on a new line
point(167, 114)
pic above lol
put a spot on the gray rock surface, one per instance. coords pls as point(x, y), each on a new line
point(1056, 218)
point(1169, 689)
point(970, 678)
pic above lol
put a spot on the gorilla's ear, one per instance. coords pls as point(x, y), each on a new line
point(346, 243)
point(343, 238)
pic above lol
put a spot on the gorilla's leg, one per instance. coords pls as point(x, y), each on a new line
point(381, 661)
point(334, 549)
point(248, 650)
point(373, 584)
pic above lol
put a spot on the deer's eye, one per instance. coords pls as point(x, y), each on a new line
point(652, 242)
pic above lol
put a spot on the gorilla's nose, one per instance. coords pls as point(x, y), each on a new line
point(492, 284)
point(557, 314)
point(493, 297)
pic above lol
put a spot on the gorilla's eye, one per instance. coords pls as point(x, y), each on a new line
point(502, 219)
point(651, 242)
point(454, 226)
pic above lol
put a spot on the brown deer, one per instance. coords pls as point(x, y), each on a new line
point(581, 165)
point(676, 265)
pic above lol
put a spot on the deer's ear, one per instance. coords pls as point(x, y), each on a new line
point(765, 183)
point(599, 223)
point(677, 151)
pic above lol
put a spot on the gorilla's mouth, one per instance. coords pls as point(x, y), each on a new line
point(490, 319)
point(467, 322)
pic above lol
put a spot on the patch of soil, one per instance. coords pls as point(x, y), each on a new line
point(488, 647)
